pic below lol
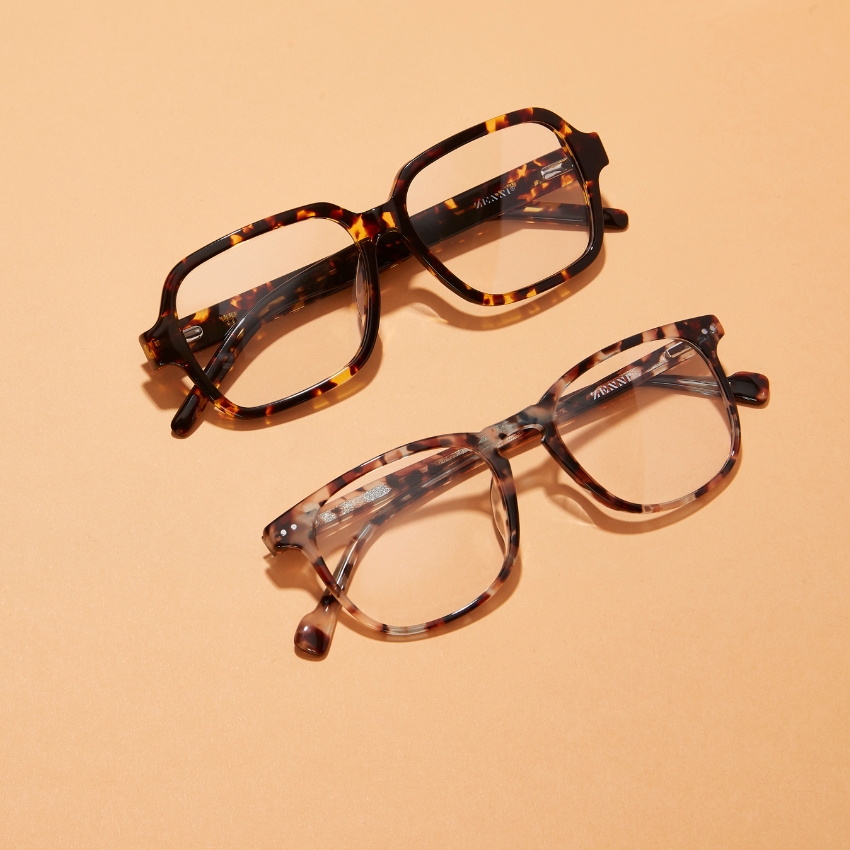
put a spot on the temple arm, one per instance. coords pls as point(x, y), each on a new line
point(651, 370)
point(293, 290)
point(646, 370)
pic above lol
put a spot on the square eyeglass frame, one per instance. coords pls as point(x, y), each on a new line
point(295, 529)
point(381, 237)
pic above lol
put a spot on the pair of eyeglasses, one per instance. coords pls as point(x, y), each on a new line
point(427, 532)
point(500, 212)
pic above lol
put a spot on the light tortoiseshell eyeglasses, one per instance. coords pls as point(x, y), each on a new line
point(427, 532)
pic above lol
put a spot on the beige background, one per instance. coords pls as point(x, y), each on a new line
point(678, 684)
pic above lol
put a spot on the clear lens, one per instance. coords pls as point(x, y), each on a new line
point(648, 424)
point(290, 296)
point(489, 233)
point(418, 539)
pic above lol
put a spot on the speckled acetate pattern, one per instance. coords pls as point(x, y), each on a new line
point(452, 456)
point(381, 237)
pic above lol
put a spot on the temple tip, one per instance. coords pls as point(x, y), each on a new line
point(615, 219)
point(314, 632)
point(187, 414)
point(750, 388)
point(312, 640)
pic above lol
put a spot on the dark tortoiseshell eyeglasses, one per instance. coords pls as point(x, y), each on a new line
point(427, 532)
point(501, 212)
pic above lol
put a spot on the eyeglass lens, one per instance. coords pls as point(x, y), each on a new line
point(648, 424)
point(287, 345)
point(418, 539)
point(502, 243)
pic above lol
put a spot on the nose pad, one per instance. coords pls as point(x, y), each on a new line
point(500, 516)
point(360, 294)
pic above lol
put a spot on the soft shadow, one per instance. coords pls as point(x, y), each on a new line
point(289, 570)
point(166, 387)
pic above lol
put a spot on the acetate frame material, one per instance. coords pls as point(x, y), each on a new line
point(382, 237)
point(296, 527)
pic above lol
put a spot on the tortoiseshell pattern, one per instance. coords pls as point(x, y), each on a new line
point(466, 452)
point(381, 237)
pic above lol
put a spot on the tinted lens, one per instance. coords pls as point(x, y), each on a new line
point(418, 539)
point(286, 306)
point(505, 211)
point(649, 424)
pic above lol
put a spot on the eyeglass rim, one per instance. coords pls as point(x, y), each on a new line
point(501, 474)
point(170, 347)
point(590, 157)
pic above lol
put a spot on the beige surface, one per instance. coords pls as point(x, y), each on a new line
point(683, 687)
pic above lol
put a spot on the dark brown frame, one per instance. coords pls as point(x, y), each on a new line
point(295, 529)
point(382, 237)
